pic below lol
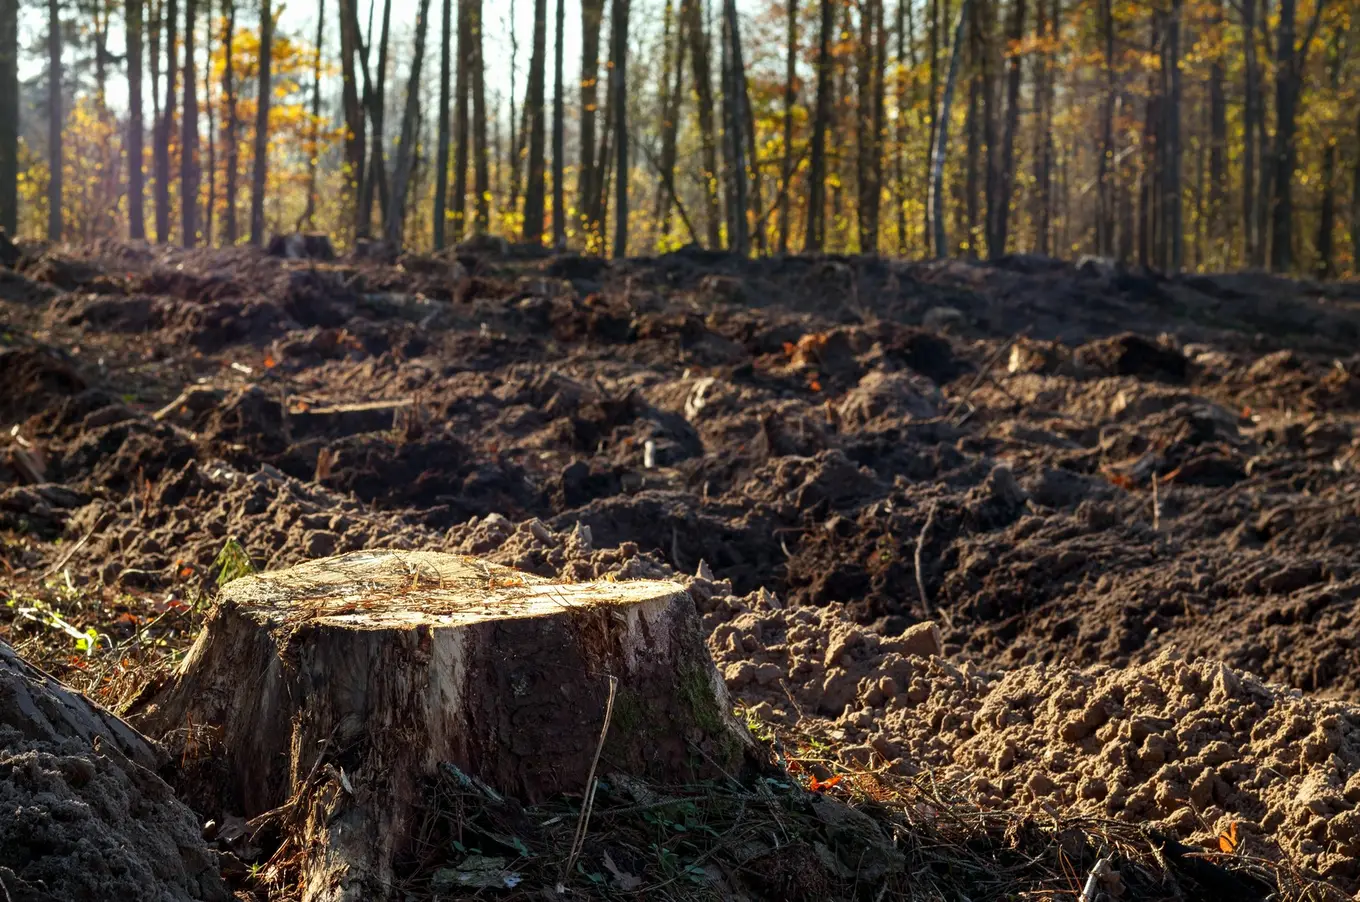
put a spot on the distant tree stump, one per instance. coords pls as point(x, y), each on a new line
point(343, 683)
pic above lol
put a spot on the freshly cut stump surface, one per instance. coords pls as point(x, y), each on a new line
point(338, 686)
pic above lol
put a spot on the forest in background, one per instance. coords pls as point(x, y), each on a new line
point(1180, 134)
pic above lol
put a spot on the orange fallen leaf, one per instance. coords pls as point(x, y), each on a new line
point(819, 785)
point(1227, 840)
point(1121, 480)
point(815, 385)
point(270, 362)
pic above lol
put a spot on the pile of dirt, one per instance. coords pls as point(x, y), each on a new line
point(1193, 748)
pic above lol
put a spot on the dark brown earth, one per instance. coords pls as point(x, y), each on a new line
point(1088, 466)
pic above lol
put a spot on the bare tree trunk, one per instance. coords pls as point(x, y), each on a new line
point(592, 17)
point(261, 177)
point(55, 121)
point(790, 98)
point(966, 243)
point(9, 109)
point(188, 142)
point(1043, 136)
point(757, 235)
point(1252, 121)
point(1289, 66)
point(733, 78)
point(905, 39)
point(1171, 165)
point(466, 60)
point(932, 113)
point(394, 219)
point(308, 220)
point(999, 212)
point(535, 188)
point(816, 215)
point(670, 123)
point(840, 103)
point(942, 136)
point(1218, 140)
point(866, 141)
point(136, 124)
point(1105, 162)
point(618, 38)
point(210, 110)
point(166, 124)
point(1355, 204)
point(355, 122)
point(1147, 220)
point(559, 169)
point(481, 160)
point(986, 15)
point(703, 85)
point(230, 232)
point(375, 180)
point(441, 175)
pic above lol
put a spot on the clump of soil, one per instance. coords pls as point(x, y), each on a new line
point(1191, 747)
point(83, 825)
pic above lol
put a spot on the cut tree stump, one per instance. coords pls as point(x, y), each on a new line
point(336, 688)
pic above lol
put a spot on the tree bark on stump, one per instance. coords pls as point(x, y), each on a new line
point(336, 687)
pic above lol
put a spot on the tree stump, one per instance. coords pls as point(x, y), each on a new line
point(342, 684)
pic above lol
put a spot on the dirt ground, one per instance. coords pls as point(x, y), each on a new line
point(1128, 504)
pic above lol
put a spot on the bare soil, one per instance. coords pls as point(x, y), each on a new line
point(1128, 503)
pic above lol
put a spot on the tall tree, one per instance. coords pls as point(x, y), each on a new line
point(375, 176)
point(618, 76)
point(394, 221)
point(466, 60)
point(673, 80)
point(355, 120)
point(314, 151)
point(1289, 66)
point(55, 121)
point(942, 134)
point(1105, 161)
point(866, 142)
point(999, 201)
point(265, 94)
point(210, 110)
point(559, 216)
point(1174, 217)
point(1325, 266)
point(230, 229)
point(535, 188)
point(816, 216)
point(1218, 134)
point(790, 98)
point(189, 164)
point(481, 161)
point(441, 172)
point(733, 93)
point(703, 87)
point(9, 115)
point(1253, 124)
point(166, 124)
point(136, 125)
point(592, 18)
